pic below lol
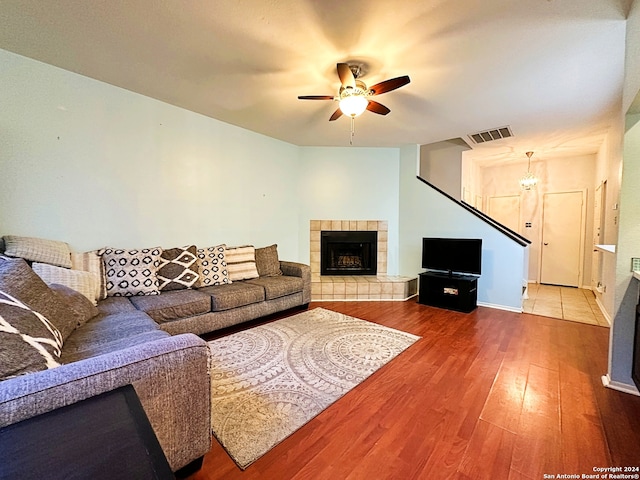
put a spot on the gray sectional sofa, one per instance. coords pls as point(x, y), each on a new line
point(211, 308)
point(150, 341)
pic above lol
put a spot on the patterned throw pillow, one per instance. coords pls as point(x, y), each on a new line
point(178, 268)
point(212, 266)
point(84, 282)
point(267, 261)
point(34, 249)
point(131, 272)
point(241, 262)
point(91, 262)
point(29, 342)
point(20, 281)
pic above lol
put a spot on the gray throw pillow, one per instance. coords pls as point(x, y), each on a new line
point(267, 261)
point(83, 310)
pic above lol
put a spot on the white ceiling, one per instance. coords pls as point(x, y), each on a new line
point(550, 69)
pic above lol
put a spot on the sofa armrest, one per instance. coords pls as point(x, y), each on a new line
point(170, 376)
point(294, 269)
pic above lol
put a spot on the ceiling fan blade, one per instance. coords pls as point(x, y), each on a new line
point(315, 97)
point(388, 85)
point(346, 75)
point(336, 115)
point(378, 108)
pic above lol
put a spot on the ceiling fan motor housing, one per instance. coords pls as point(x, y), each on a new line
point(360, 90)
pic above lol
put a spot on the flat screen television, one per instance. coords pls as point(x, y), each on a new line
point(452, 255)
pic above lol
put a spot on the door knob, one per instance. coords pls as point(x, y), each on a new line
point(545, 243)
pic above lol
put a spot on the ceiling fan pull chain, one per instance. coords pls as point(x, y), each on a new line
point(353, 130)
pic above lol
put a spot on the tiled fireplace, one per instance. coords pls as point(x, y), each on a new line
point(346, 281)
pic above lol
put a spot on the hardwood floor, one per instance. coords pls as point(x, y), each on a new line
point(487, 395)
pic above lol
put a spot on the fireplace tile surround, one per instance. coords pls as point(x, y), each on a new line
point(360, 287)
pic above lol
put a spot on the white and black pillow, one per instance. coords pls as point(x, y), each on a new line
point(178, 268)
point(212, 266)
point(29, 342)
point(131, 273)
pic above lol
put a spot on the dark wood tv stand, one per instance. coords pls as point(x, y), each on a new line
point(450, 291)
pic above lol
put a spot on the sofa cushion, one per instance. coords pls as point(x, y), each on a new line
point(212, 266)
point(237, 294)
point(93, 349)
point(20, 281)
point(29, 342)
point(131, 272)
point(105, 328)
point(116, 305)
point(172, 305)
point(267, 261)
point(38, 250)
point(178, 268)
point(87, 283)
point(241, 262)
point(91, 262)
point(276, 287)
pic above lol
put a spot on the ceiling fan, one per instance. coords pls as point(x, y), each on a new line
point(354, 95)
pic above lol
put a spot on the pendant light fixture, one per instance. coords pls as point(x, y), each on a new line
point(529, 180)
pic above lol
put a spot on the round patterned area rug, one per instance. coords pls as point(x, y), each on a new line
point(270, 380)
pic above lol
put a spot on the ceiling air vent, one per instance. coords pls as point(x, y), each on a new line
point(490, 135)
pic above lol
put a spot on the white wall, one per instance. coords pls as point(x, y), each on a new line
point(424, 212)
point(349, 184)
point(557, 174)
point(608, 168)
point(92, 164)
point(628, 238)
point(622, 332)
point(441, 165)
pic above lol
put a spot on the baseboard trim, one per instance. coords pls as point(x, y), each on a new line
point(619, 386)
point(500, 307)
point(603, 311)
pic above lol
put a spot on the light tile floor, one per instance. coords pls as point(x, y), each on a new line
point(575, 304)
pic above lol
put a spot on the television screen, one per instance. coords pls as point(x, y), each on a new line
point(453, 255)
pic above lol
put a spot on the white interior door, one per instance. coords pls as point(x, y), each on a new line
point(562, 227)
point(506, 210)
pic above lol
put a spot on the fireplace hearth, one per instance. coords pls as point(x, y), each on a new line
point(348, 252)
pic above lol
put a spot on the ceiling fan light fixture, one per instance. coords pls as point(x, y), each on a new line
point(353, 105)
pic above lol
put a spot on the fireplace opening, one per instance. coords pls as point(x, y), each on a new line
point(348, 252)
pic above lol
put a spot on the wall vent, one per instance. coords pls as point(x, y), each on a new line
point(490, 135)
